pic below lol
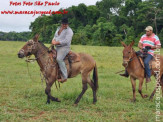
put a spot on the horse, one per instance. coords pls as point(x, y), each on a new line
point(136, 71)
point(49, 68)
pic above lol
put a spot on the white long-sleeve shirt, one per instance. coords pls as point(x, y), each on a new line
point(64, 38)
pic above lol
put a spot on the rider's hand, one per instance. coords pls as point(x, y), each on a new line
point(145, 50)
point(54, 42)
point(148, 47)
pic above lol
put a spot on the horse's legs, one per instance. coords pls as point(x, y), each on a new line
point(85, 87)
point(154, 91)
point(93, 89)
point(133, 82)
point(161, 83)
point(162, 89)
point(48, 93)
point(140, 88)
point(86, 79)
point(81, 94)
point(157, 85)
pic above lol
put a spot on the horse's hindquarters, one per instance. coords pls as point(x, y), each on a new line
point(74, 69)
point(85, 65)
point(157, 64)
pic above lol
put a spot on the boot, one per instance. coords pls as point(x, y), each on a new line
point(62, 80)
point(125, 74)
point(148, 79)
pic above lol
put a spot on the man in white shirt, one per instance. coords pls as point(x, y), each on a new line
point(62, 40)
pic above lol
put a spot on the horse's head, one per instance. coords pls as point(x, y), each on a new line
point(29, 48)
point(128, 53)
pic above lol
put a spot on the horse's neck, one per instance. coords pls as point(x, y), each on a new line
point(135, 63)
point(42, 56)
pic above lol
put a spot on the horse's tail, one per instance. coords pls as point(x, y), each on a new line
point(95, 78)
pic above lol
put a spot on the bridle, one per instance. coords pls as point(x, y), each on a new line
point(131, 57)
point(47, 64)
point(34, 44)
point(29, 50)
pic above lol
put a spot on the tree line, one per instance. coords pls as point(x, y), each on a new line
point(105, 23)
point(15, 36)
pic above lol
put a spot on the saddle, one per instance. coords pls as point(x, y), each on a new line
point(152, 63)
point(70, 58)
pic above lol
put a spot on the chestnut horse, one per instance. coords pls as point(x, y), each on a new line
point(136, 70)
point(49, 68)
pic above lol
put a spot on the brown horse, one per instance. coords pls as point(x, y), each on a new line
point(49, 68)
point(136, 70)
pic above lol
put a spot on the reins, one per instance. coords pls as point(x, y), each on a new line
point(43, 78)
point(29, 60)
point(131, 59)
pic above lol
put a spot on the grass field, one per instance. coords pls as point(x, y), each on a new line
point(23, 98)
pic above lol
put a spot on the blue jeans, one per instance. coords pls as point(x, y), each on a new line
point(146, 64)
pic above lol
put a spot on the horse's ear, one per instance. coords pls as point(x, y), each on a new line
point(124, 45)
point(132, 43)
point(36, 38)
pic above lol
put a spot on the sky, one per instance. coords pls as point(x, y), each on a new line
point(21, 22)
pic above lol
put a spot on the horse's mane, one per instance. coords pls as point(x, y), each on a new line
point(43, 45)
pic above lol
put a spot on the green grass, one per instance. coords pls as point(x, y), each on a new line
point(23, 98)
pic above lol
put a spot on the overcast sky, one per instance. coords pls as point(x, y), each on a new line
point(19, 23)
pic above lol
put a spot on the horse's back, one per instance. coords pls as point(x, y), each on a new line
point(157, 63)
point(86, 58)
point(87, 62)
point(85, 65)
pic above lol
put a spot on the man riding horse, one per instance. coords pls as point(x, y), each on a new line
point(62, 40)
point(149, 42)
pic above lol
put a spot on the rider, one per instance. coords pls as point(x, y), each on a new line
point(62, 40)
point(148, 41)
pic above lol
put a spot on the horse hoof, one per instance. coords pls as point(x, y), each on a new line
point(57, 100)
point(48, 102)
point(75, 105)
point(94, 102)
point(145, 96)
point(133, 100)
point(150, 99)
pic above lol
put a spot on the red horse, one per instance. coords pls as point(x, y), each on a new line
point(136, 70)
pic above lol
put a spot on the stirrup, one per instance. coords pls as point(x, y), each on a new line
point(62, 80)
point(124, 75)
point(148, 79)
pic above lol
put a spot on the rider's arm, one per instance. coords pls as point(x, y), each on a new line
point(54, 42)
point(157, 43)
point(156, 47)
point(140, 45)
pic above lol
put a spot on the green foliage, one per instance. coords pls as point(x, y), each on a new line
point(80, 38)
point(14, 36)
point(105, 23)
point(161, 36)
